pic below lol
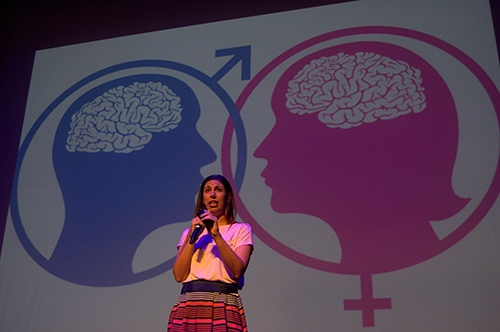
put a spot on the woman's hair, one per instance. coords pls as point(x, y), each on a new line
point(230, 210)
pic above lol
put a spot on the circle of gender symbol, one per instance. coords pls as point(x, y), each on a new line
point(364, 107)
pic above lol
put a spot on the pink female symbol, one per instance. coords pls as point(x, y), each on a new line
point(377, 183)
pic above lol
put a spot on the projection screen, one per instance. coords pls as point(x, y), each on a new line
point(362, 139)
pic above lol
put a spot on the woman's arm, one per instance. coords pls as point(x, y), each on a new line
point(235, 261)
point(182, 265)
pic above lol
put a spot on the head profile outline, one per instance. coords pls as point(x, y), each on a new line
point(376, 179)
point(116, 193)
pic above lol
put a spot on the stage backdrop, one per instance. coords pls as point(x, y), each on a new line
point(362, 139)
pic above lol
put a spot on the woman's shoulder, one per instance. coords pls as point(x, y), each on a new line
point(241, 225)
point(237, 227)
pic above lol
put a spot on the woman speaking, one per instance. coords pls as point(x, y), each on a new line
point(213, 255)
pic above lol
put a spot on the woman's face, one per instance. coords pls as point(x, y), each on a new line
point(214, 197)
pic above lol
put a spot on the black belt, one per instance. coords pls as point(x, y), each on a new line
point(209, 286)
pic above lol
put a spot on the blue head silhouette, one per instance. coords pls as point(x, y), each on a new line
point(127, 156)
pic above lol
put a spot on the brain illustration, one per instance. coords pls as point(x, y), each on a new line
point(123, 118)
point(349, 90)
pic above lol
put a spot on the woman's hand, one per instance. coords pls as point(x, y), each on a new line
point(195, 222)
point(211, 222)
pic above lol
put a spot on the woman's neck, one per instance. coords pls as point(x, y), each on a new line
point(223, 221)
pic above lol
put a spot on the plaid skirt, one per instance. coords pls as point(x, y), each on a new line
point(207, 312)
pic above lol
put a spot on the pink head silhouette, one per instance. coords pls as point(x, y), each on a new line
point(365, 138)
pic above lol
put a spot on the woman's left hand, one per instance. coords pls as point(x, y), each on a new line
point(211, 223)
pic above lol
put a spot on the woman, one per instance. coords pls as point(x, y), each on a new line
point(211, 267)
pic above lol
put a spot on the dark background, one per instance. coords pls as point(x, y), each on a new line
point(28, 26)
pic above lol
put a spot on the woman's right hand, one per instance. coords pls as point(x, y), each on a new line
point(182, 264)
point(196, 221)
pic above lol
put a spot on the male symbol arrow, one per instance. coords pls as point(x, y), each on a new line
point(239, 54)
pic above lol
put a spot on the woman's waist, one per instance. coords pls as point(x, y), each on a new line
point(201, 285)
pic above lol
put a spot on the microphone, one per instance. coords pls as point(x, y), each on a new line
point(196, 233)
point(197, 229)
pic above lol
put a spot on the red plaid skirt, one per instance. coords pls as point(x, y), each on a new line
point(207, 312)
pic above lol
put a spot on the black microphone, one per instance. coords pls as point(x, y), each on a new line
point(196, 233)
point(197, 229)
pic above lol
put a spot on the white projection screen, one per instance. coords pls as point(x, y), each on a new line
point(362, 139)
